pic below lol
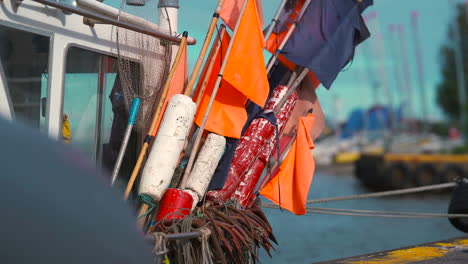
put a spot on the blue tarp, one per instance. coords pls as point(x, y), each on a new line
point(374, 119)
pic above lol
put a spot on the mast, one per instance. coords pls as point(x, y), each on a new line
point(169, 19)
point(420, 67)
point(396, 63)
point(406, 69)
point(378, 48)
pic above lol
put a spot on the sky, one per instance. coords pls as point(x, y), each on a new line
point(375, 61)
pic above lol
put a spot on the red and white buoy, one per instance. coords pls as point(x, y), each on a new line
point(254, 151)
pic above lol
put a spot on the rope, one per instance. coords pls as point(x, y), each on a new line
point(160, 245)
point(144, 198)
point(206, 256)
point(386, 193)
point(371, 213)
point(390, 212)
point(382, 215)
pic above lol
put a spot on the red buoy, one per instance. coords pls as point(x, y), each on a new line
point(175, 204)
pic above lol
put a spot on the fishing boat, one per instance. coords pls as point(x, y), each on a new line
point(115, 86)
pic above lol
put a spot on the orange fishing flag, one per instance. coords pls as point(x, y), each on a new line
point(290, 186)
point(178, 82)
point(245, 67)
point(228, 115)
point(230, 12)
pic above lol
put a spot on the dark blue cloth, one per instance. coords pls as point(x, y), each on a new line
point(326, 36)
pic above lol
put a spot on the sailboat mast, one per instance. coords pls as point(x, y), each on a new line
point(420, 67)
point(396, 64)
point(406, 69)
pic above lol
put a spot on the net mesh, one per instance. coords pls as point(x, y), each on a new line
point(143, 63)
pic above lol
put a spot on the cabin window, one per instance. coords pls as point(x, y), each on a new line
point(25, 60)
point(93, 107)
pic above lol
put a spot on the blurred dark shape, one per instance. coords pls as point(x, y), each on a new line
point(57, 209)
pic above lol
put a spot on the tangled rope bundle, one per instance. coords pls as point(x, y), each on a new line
point(228, 235)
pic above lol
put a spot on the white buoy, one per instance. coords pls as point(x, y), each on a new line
point(168, 145)
point(206, 163)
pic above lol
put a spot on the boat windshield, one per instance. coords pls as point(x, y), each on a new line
point(24, 58)
point(94, 108)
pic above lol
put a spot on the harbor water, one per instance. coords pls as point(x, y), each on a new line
point(316, 237)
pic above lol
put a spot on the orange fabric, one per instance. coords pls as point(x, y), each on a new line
point(290, 186)
point(245, 68)
point(274, 41)
point(228, 115)
point(178, 82)
point(230, 12)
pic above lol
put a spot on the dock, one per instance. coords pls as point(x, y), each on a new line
point(452, 251)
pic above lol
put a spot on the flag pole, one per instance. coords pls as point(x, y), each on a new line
point(288, 35)
point(204, 49)
point(210, 103)
point(274, 20)
point(211, 62)
point(149, 137)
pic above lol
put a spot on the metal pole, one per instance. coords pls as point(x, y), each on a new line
point(274, 20)
point(419, 61)
point(102, 18)
point(288, 35)
point(460, 77)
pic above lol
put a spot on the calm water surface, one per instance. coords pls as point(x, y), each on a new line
point(316, 237)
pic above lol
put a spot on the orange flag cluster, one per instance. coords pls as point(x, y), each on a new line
point(290, 186)
point(244, 76)
point(231, 11)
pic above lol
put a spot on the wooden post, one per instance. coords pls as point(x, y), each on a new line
point(206, 44)
point(211, 62)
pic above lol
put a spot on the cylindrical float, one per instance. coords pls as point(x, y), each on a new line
point(253, 148)
point(175, 204)
point(206, 163)
point(169, 143)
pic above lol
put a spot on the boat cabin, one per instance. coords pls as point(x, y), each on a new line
point(59, 71)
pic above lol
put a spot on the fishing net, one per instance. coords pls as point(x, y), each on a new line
point(143, 61)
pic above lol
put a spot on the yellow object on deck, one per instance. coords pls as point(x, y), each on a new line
point(450, 252)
